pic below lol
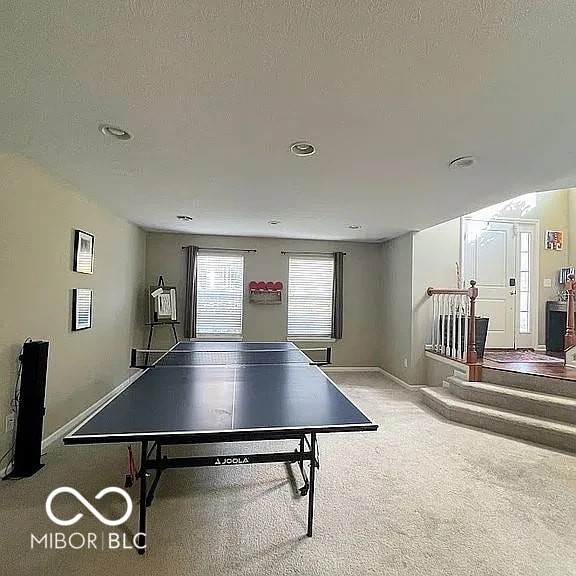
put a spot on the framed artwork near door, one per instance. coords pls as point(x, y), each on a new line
point(554, 240)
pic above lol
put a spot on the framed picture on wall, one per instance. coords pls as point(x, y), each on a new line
point(83, 252)
point(554, 240)
point(81, 309)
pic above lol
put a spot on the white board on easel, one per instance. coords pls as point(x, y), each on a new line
point(162, 304)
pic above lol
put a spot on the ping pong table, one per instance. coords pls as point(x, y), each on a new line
point(218, 392)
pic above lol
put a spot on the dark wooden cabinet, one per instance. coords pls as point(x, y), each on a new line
point(555, 325)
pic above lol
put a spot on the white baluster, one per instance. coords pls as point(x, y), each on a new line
point(432, 331)
point(437, 323)
point(458, 314)
point(448, 325)
point(466, 326)
point(453, 325)
point(444, 347)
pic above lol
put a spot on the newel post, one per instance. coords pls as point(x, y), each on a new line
point(570, 336)
point(472, 355)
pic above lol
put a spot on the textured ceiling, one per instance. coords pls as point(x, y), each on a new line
point(215, 92)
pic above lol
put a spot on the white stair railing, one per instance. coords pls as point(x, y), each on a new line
point(453, 327)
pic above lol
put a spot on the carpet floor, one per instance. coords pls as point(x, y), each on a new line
point(421, 496)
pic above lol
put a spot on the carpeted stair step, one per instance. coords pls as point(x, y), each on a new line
point(534, 382)
point(539, 430)
point(549, 406)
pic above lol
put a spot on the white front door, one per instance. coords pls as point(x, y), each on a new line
point(489, 258)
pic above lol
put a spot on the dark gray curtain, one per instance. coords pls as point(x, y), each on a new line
point(338, 295)
point(191, 284)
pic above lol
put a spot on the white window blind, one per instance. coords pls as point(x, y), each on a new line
point(219, 296)
point(310, 281)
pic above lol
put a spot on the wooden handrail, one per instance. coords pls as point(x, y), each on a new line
point(432, 291)
point(570, 336)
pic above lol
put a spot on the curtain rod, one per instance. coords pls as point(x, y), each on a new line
point(223, 249)
point(310, 253)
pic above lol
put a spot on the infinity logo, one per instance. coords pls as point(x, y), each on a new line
point(89, 506)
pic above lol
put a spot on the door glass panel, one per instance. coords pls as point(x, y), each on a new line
point(525, 288)
point(524, 301)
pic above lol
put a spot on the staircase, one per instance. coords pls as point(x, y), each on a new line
point(530, 407)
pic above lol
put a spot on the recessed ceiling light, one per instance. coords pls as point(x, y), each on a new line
point(273, 222)
point(114, 132)
point(302, 149)
point(184, 217)
point(462, 162)
point(354, 227)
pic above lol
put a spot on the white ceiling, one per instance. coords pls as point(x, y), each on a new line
point(216, 91)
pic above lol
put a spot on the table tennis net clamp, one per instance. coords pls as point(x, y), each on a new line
point(149, 358)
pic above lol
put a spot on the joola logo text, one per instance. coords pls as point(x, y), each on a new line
point(228, 461)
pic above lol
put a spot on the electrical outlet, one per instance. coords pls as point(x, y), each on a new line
point(405, 362)
point(9, 423)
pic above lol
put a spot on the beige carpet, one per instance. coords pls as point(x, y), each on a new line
point(421, 496)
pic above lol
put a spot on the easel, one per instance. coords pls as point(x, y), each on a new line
point(167, 323)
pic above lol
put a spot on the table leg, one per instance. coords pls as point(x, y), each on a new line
point(312, 482)
point(142, 503)
point(304, 489)
point(152, 491)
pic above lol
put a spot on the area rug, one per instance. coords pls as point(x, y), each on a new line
point(526, 356)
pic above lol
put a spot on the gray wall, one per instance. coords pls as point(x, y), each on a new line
point(358, 346)
point(38, 214)
point(396, 298)
point(436, 251)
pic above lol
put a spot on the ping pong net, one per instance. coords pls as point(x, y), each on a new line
point(148, 358)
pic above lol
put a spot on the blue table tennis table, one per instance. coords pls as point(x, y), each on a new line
point(217, 392)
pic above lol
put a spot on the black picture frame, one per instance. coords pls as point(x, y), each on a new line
point(83, 252)
point(81, 309)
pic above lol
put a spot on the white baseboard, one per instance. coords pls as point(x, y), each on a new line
point(540, 348)
point(371, 369)
point(63, 430)
point(399, 380)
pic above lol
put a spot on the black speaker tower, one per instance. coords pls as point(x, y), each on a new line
point(31, 410)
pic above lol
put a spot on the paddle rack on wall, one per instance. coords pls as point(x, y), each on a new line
point(265, 292)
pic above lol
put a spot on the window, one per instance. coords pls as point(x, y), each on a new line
point(219, 294)
point(524, 282)
point(310, 281)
